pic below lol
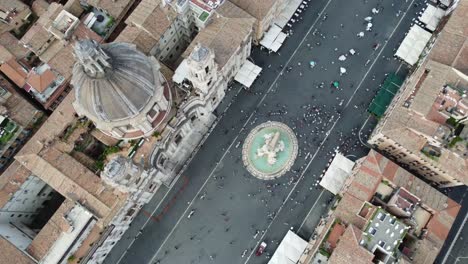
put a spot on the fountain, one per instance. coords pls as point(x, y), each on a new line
point(269, 150)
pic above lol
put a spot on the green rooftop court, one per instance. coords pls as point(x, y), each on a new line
point(384, 97)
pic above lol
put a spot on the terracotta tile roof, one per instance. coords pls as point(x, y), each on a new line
point(46, 158)
point(59, 55)
point(447, 63)
point(15, 72)
point(46, 238)
point(36, 38)
point(12, 4)
point(258, 9)
point(63, 61)
point(451, 47)
point(18, 108)
point(348, 249)
point(150, 16)
point(348, 210)
point(225, 34)
point(40, 82)
point(74, 7)
point(49, 16)
point(444, 209)
point(142, 40)
point(11, 180)
point(39, 7)
point(11, 43)
point(335, 234)
point(16, 20)
point(410, 126)
point(5, 54)
point(11, 254)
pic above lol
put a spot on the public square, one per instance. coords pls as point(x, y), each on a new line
point(232, 210)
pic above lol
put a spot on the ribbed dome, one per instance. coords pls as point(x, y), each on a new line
point(112, 81)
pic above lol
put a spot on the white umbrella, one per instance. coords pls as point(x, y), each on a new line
point(368, 19)
point(342, 58)
point(360, 34)
point(369, 26)
point(342, 70)
point(375, 11)
point(352, 51)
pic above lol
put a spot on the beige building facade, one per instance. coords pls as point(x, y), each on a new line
point(421, 128)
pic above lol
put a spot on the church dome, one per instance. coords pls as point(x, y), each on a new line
point(113, 81)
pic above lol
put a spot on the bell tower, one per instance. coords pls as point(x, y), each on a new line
point(202, 69)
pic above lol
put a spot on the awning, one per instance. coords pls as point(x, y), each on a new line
point(384, 97)
point(413, 45)
point(273, 38)
point(181, 72)
point(282, 19)
point(431, 17)
point(247, 74)
point(289, 250)
point(337, 173)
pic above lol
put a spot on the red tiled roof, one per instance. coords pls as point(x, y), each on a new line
point(15, 72)
point(348, 249)
point(40, 82)
point(335, 234)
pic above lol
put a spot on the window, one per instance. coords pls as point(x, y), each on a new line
point(372, 231)
point(178, 139)
point(161, 161)
point(381, 216)
point(207, 69)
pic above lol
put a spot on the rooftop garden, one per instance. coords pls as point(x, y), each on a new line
point(100, 162)
point(103, 22)
point(326, 248)
point(7, 131)
point(454, 141)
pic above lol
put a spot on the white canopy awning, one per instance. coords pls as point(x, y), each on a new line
point(181, 72)
point(273, 38)
point(413, 45)
point(337, 173)
point(431, 17)
point(289, 250)
point(247, 73)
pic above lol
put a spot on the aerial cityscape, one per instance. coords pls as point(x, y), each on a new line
point(233, 131)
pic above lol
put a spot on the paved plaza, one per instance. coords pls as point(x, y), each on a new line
point(234, 211)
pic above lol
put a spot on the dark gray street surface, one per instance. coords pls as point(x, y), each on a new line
point(230, 205)
point(455, 250)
